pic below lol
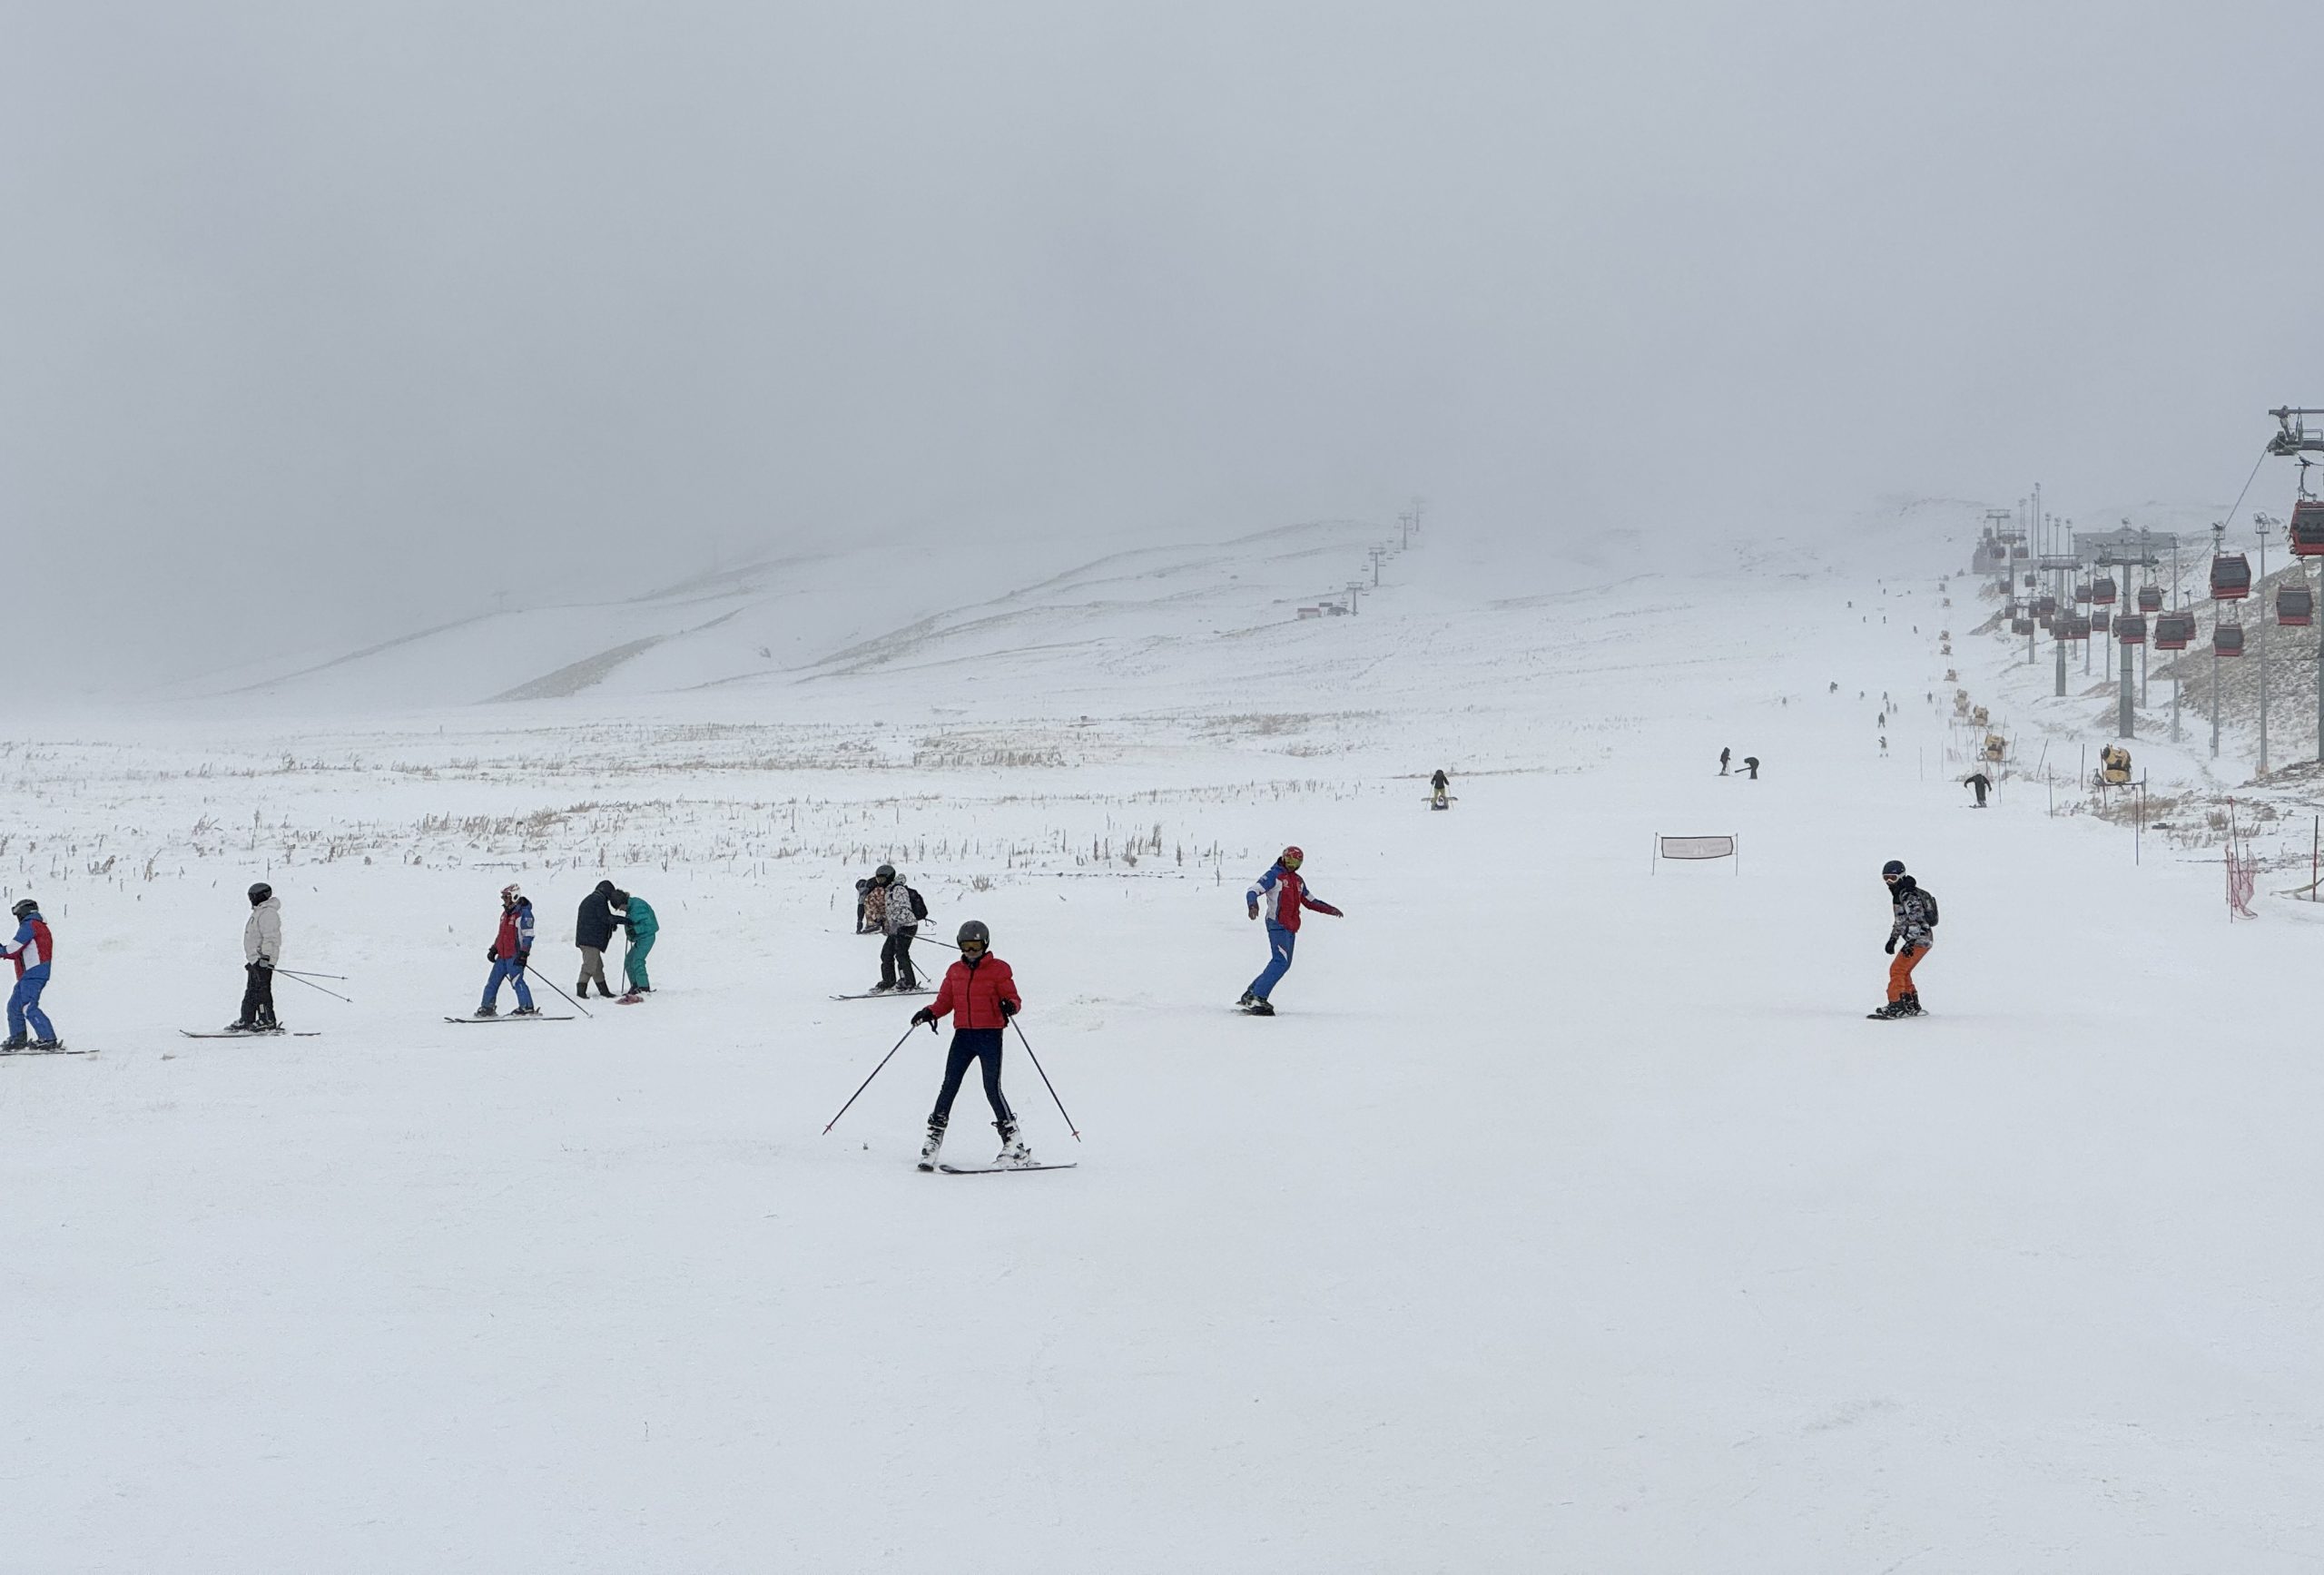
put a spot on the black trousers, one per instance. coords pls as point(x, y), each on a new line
point(895, 959)
point(973, 1044)
point(257, 994)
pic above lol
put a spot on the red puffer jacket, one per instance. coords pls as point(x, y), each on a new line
point(975, 990)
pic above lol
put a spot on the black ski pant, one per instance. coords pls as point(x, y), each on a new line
point(971, 1045)
point(895, 959)
point(258, 993)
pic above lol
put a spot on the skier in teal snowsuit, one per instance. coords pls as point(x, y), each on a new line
point(638, 918)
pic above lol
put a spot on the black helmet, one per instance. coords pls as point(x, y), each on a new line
point(974, 929)
point(1892, 867)
point(23, 906)
point(259, 894)
point(884, 874)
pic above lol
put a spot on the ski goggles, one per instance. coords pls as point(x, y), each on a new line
point(973, 949)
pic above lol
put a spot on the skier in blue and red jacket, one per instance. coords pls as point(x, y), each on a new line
point(511, 952)
point(1285, 893)
point(31, 951)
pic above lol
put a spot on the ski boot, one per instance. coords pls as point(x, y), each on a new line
point(1260, 1006)
point(935, 1141)
point(1012, 1147)
point(14, 1042)
point(241, 1027)
point(881, 989)
point(487, 1010)
point(525, 1011)
point(48, 1044)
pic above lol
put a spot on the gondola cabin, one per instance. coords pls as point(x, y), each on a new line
point(2045, 606)
point(2082, 593)
point(2070, 626)
point(2295, 606)
point(2230, 577)
point(2131, 629)
point(2307, 531)
point(2227, 640)
point(2150, 599)
point(2174, 631)
point(2102, 591)
point(2101, 621)
point(2021, 625)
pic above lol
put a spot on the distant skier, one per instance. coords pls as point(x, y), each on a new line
point(980, 992)
point(1724, 755)
point(511, 952)
point(592, 932)
point(1911, 933)
point(1978, 782)
point(262, 950)
point(1437, 785)
point(32, 951)
point(1286, 894)
point(637, 918)
point(902, 909)
point(1751, 764)
point(1883, 746)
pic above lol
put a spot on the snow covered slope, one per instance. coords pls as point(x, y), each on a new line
point(1570, 1216)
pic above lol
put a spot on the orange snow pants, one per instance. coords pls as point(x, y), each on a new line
point(1900, 971)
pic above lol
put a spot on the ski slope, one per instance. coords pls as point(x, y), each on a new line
point(1569, 1216)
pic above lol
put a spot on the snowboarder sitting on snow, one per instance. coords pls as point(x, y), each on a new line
point(1910, 936)
point(30, 950)
point(901, 912)
point(637, 918)
point(511, 952)
point(1751, 764)
point(1286, 894)
point(262, 950)
point(1437, 786)
point(981, 993)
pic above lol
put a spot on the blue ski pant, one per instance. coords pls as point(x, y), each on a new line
point(1280, 942)
point(24, 1004)
point(971, 1045)
point(509, 969)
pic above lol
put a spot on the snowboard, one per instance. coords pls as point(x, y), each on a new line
point(995, 1169)
point(513, 1018)
point(885, 995)
point(256, 1034)
point(59, 1051)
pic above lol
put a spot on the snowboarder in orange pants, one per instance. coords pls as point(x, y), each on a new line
point(1909, 937)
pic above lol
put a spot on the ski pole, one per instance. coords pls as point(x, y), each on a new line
point(545, 979)
point(882, 1066)
point(311, 984)
point(296, 973)
point(1021, 1039)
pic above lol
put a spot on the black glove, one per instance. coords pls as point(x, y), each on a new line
point(265, 962)
point(524, 960)
point(1891, 948)
point(492, 954)
point(1008, 1009)
point(924, 1016)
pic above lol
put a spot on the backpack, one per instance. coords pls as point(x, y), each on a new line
point(1928, 900)
point(919, 908)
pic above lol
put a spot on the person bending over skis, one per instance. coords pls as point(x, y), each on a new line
point(1909, 937)
point(1286, 894)
point(982, 994)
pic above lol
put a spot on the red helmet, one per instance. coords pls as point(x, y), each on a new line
point(1292, 857)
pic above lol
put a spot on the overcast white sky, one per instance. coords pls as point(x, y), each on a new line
point(326, 318)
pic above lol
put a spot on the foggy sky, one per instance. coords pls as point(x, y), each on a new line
point(325, 318)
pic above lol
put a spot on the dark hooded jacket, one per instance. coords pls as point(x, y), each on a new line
point(594, 925)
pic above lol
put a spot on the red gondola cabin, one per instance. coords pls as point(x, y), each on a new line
point(2295, 606)
point(2230, 577)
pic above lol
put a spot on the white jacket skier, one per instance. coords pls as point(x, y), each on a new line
point(263, 933)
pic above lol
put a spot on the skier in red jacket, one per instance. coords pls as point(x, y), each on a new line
point(1287, 894)
point(982, 994)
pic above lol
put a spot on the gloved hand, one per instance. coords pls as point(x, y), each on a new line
point(267, 963)
point(1008, 1009)
point(1891, 948)
point(492, 954)
point(524, 960)
point(924, 1016)
point(1255, 910)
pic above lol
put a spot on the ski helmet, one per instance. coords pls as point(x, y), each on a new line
point(974, 933)
point(1291, 857)
point(884, 875)
point(1892, 869)
point(23, 906)
point(259, 894)
point(511, 892)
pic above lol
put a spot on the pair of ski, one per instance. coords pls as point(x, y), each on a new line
point(254, 1034)
point(884, 995)
point(995, 1169)
point(56, 1049)
point(530, 1016)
